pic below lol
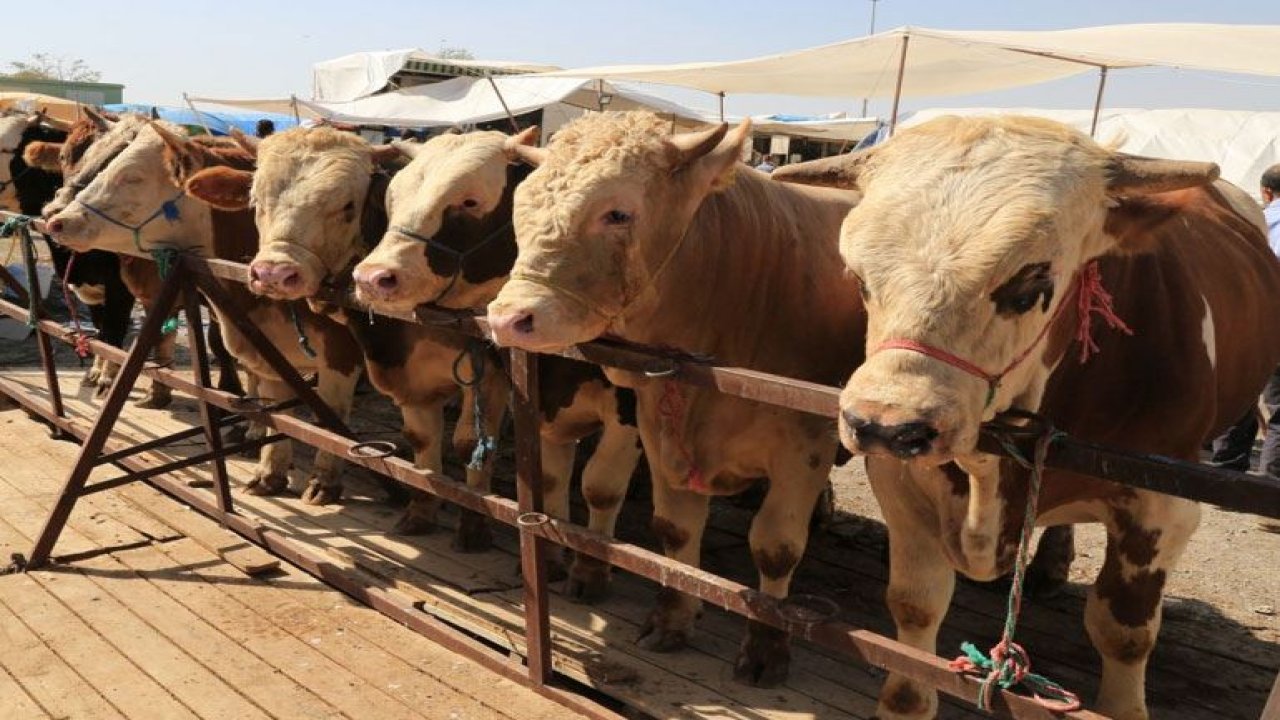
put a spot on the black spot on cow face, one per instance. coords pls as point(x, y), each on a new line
point(1032, 284)
point(485, 247)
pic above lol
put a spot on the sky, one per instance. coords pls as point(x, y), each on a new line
point(234, 48)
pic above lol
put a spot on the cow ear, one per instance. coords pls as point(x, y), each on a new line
point(524, 143)
point(840, 171)
point(1136, 175)
point(408, 148)
point(248, 143)
point(43, 156)
point(384, 155)
point(710, 156)
point(221, 187)
point(100, 121)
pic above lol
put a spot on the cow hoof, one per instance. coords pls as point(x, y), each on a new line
point(155, 400)
point(662, 640)
point(588, 581)
point(411, 524)
point(321, 494)
point(90, 378)
point(104, 387)
point(264, 484)
point(473, 535)
point(235, 435)
point(765, 657)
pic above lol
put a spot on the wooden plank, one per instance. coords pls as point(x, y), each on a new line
point(235, 550)
point(15, 701)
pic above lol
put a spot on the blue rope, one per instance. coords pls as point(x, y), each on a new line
point(303, 342)
point(485, 444)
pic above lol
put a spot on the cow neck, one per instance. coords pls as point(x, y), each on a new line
point(756, 281)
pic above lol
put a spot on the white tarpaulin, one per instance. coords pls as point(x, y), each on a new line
point(358, 75)
point(1243, 143)
point(282, 106)
point(946, 62)
point(464, 101)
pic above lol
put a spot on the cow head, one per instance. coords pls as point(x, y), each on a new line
point(308, 193)
point(127, 193)
point(970, 236)
point(12, 128)
point(64, 158)
point(598, 220)
point(449, 236)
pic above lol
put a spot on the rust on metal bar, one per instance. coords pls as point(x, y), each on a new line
point(180, 464)
point(42, 340)
point(165, 440)
point(533, 549)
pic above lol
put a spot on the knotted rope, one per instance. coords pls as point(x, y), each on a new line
point(82, 340)
point(486, 444)
point(1009, 664)
point(303, 341)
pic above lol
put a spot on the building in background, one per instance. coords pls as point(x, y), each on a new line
point(89, 93)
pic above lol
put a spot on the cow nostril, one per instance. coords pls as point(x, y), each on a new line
point(386, 280)
point(911, 439)
point(524, 325)
point(54, 226)
point(290, 280)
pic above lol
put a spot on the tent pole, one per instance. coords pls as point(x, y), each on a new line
point(515, 126)
point(897, 88)
point(200, 117)
point(293, 103)
point(721, 95)
point(1097, 103)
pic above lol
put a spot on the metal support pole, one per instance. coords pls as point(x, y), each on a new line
point(157, 314)
point(1097, 102)
point(210, 416)
point(42, 340)
point(199, 115)
point(515, 126)
point(721, 96)
point(533, 549)
point(897, 88)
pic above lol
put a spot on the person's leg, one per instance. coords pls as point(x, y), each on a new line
point(1233, 448)
point(1269, 464)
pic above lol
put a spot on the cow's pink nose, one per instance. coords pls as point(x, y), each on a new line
point(269, 275)
point(508, 328)
point(54, 226)
point(377, 280)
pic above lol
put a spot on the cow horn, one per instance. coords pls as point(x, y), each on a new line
point(1134, 174)
point(525, 138)
point(692, 145)
point(407, 148)
point(101, 122)
point(529, 154)
point(840, 171)
point(170, 138)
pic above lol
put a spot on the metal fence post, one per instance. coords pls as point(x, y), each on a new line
point(533, 549)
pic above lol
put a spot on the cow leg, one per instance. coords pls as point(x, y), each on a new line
point(1050, 570)
point(271, 476)
point(106, 378)
point(921, 581)
point(474, 534)
point(604, 485)
point(679, 518)
point(424, 431)
point(1145, 538)
point(158, 395)
point(557, 473)
point(338, 391)
point(253, 430)
point(228, 377)
point(779, 533)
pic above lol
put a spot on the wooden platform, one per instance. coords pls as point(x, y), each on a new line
point(1197, 673)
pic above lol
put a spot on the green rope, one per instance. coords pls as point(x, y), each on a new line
point(165, 258)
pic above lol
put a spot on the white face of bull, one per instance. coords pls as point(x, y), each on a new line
point(451, 177)
point(12, 128)
point(308, 194)
point(124, 182)
point(598, 220)
point(969, 237)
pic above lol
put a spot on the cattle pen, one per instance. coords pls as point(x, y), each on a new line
point(810, 617)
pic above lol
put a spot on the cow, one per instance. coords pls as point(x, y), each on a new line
point(105, 282)
point(984, 246)
point(133, 177)
point(659, 239)
point(451, 243)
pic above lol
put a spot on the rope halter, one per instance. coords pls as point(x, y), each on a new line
point(460, 255)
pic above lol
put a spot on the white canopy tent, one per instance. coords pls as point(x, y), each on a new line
point(1243, 143)
point(362, 74)
point(915, 61)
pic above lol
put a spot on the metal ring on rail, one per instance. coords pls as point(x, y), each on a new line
point(372, 449)
point(659, 369)
point(808, 610)
point(532, 519)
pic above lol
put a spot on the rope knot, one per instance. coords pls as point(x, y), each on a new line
point(1094, 298)
point(671, 407)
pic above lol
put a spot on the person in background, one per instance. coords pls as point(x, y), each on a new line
point(1233, 448)
point(265, 128)
point(766, 165)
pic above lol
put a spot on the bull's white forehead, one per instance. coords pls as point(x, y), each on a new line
point(11, 129)
point(446, 160)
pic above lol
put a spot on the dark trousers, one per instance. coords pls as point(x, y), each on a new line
point(1233, 448)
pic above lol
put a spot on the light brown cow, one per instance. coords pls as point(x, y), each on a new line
point(451, 242)
point(628, 231)
point(975, 241)
point(133, 201)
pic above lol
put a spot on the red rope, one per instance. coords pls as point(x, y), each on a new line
point(1094, 298)
point(671, 407)
point(82, 341)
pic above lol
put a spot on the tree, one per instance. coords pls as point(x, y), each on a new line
point(44, 66)
point(455, 53)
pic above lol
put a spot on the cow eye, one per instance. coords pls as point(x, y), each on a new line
point(349, 211)
point(617, 217)
point(1030, 286)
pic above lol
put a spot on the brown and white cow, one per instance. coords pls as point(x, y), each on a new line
point(626, 230)
point(974, 242)
point(451, 243)
point(134, 176)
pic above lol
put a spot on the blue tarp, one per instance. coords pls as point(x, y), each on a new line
point(219, 122)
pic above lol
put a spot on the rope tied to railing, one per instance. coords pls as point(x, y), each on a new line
point(7, 229)
point(303, 341)
point(82, 339)
point(1009, 664)
point(486, 444)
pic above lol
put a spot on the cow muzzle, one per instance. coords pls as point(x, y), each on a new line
point(282, 280)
